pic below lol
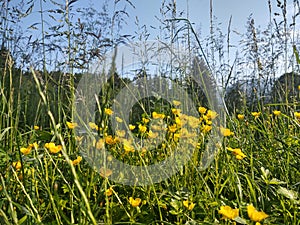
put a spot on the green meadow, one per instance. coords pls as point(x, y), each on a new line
point(230, 128)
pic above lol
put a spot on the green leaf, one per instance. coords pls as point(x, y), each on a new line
point(23, 219)
point(276, 181)
point(293, 195)
point(175, 204)
point(240, 220)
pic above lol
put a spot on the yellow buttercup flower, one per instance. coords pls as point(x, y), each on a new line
point(53, 148)
point(110, 140)
point(108, 111)
point(152, 134)
point(25, 151)
point(127, 146)
point(176, 111)
point(120, 133)
point(172, 128)
point(256, 114)
point(156, 115)
point(255, 215)
point(77, 160)
point(142, 128)
point(206, 128)
point(202, 110)
point(241, 116)
point(93, 126)
point(145, 120)
point(228, 212)
point(176, 103)
point(297, 115)
point(226, 132)
point(276, 113)
point(135, 202)
point(71, 125)
point(118, 119)
point(237, 152)
point(131, 127)
point(34, 145)
point(178, 121)
point(36, 127)
point(17, 165)
point(109, 191)
point(211, 114)
point(189, 205)
point(100, 144)
point(193, 122)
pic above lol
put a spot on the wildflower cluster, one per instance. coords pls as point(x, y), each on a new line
point(229, 213)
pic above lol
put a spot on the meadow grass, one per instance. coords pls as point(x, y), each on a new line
point(46, 179)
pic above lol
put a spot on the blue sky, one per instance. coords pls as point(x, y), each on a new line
point(146, 10)
point(198, 11)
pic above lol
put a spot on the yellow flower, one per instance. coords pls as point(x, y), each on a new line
point(131, 127)
point(156, 115)
point(255, 215)
point(71, 125)
point(53, 148)
point(36, 127)
point(211, 114)
point(240, 116)
point(145, 120)
point(178, 121)
point(27, 150)
point(299, 87)
point(34, 145)
point(105, 172)
point(176, 103)
point(226, 132)
point(176, 137)
point(110, 140)
point(297, 115)
point(276, 113)
point(77, 160)
point(142, 128)
point(108, 111)
point(237, 152)
point(100, 144)
point(193, 122)
point(172, 128)
point(206, 128)
point(228, 212)
point(189, 205)
point(202, 110)
point(152, 134)
point(118, 119)
point(120, 133)
point(109, 191)
point(135, 202)
point(127, 146)
point(17, 165)
point(176, 111)
point(93, 126)
point(256, 114)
